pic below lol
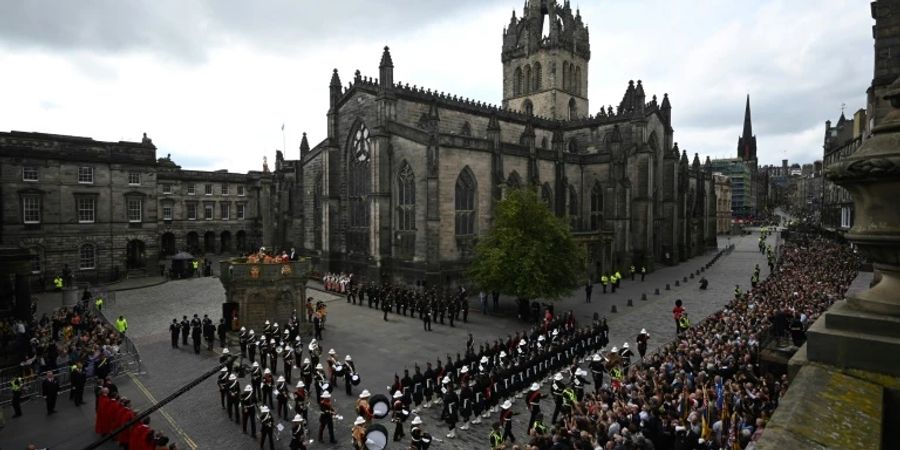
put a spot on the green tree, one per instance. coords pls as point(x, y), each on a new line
point(529, 253)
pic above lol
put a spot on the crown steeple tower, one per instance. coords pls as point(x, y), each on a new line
point(545, 61)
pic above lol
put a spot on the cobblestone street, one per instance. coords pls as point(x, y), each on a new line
point(379, 348)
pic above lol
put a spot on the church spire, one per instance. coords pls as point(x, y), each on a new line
point(747, 142)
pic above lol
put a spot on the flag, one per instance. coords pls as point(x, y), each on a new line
point(706, 431)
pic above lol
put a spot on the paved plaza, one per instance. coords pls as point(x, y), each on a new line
point(380, 349)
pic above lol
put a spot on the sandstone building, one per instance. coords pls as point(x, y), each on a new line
point(107, 208)
point(407, 178)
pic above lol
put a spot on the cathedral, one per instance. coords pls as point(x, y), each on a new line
point(408, 177)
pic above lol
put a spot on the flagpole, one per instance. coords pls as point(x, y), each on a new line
point(283, 140)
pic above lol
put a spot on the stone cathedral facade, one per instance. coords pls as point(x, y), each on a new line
point(408, 178)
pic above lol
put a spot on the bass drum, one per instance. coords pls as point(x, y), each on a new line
point(376, 437)
point(354, 379)
point(381, 406)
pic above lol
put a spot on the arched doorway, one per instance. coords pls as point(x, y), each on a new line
point(225, 241)
point(167, 244)
point(209, 242)
point(134, 254)
point(241, 237)
point(193, 242)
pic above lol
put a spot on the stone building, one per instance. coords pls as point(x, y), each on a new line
point(841, 141)
point(407, 178)
point(723, 203)
point(108, 208)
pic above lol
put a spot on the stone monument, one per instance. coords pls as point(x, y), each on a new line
point(257, 291)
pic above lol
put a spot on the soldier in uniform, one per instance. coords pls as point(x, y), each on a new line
point(287, 356)
point(248, 407)
point(506, 421)
point(626, 355)
point(266, 428)
point(597, 369)
point(642, 340)
point(349, 371)
point(399, 413)
point(418, 387)
point(358, 434)
point(534, 403)
point(243, 339)
point(298, 433)
point(251, 346)
point(425, 312)
point(256, 378)
point(420, 439)
point(363, 409)
point(306, 372)
point(450, 412)
point(281, 389)
point(300, 400)
point(466, 400)
point(234, 392)
point(326, 416)
point(556, 390)
point(185, 330)
point(222, 383)
point(174, 330)
point(268, 384)
point(428, 390)
point(386, 306)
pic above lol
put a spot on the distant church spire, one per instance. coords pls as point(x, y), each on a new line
point(747, 142)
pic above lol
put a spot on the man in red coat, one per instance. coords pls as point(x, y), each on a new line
point(102, 407)
point(138, 439)
point(125, 416)
point(111, 416)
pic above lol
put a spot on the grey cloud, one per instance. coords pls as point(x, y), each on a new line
point(184, 30)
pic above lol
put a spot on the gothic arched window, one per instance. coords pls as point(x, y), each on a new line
point(544, 142)
point(537, 76)
point(577, 87)
point(565, 75)
point(517, 82)
point(359, 188)
point(514, 181)
point(406, 210)
point(596, 206)
point(465, 203)
point(529, 107)
point(527, 86)
point(573, 207)
point(573, 112)
point(547, 195)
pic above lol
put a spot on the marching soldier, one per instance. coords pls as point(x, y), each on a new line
point(626, 354)
point(234, 391)
point(251, 346)
point(300, 400)
point(398, 415)
point(243, 339)
point(418, 387)
point(268, 384)
point(326, 416)
point(306, 372)
point(428, 391)
point(358, 434)
point(642, 340)
point(287, 355)
point(281, 389)
point(174, 330)
point(298, 433)
point(363, 409)
point(248, 405)
point(451, 407)
point(534, 403)
point(256, 378)
point(266, 428)
point(578, 382)
point(467, 401)
point(556, 390)
point(506, 421)
point(597, 370)
point(349, 371)
point(222, 382)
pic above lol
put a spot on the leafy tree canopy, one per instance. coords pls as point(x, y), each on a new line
point(529, 252)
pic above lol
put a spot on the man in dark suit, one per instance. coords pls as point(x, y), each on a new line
point(50, 389)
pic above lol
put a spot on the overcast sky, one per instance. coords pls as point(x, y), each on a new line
point(212, 81)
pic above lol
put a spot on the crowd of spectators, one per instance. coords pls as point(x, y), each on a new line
point(706, 390)
point(63, 338)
